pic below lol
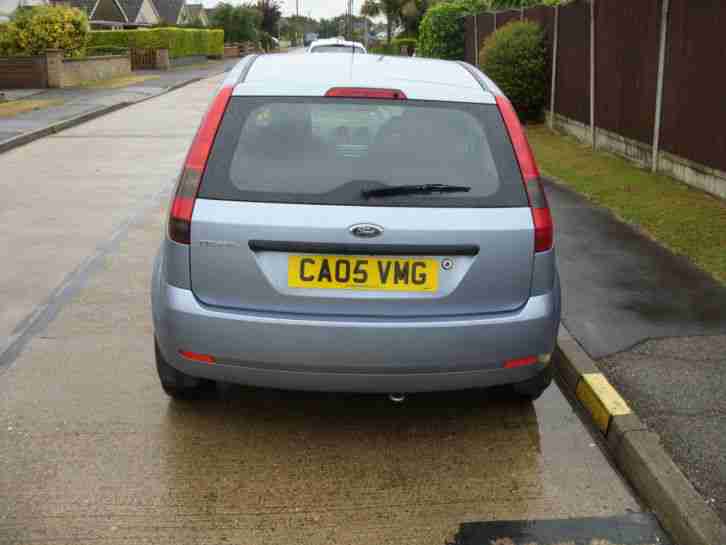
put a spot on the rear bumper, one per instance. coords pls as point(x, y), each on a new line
point(353, 354)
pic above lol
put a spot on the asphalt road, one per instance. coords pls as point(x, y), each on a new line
point(92, 451)
point(621, 288)
point(657, 325)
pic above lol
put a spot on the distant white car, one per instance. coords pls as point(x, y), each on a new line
point(336, 45)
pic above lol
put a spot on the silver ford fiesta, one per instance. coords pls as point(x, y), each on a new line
point(357, 223)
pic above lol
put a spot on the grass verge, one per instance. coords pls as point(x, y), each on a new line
point(115, 83)
point(684, 219)
point(15, 107)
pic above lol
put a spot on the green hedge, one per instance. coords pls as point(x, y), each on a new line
point(441, 34)
point(215, 46)
point(181, 42)
point(516, 59)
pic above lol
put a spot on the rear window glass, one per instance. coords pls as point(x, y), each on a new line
point(333, 150)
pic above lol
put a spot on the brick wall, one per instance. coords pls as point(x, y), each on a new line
point(94, 68)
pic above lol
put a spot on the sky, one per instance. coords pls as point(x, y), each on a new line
point(314, 8)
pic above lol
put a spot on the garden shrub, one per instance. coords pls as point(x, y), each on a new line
point(6, 45)
point(516, 59)
point(33, 30)
point(441, 34)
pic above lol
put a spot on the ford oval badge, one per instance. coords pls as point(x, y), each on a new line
point(365, 230)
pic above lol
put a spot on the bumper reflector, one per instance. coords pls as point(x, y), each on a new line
point(529, 360)
point(204, 358)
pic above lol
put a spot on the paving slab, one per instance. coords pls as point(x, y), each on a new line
point(67, 193)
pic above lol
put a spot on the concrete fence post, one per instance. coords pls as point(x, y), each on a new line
point(593, 131)
point(553, 83)
point(54, 67)
point(495, 21)
point(659, 91)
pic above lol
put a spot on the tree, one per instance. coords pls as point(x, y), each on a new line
point(328, 28)
point(271, 14)
point(412, 13)
point(239, 23)
point(391, 9)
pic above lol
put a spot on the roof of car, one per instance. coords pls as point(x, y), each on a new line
point(314, 75)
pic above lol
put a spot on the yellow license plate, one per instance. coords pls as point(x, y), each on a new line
point(362, 272)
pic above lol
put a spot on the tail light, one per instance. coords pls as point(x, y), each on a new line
point(182, 207)
point(543, 225)
point(529, 360)
point(520, 362)
point(194, 356)
point(366, 92)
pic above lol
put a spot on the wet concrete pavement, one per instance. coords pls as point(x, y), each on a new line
point(92, 451)
point(66, 196)
point(656, 325)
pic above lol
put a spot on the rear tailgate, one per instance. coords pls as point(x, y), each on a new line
point(227, 272)
point(271, 229)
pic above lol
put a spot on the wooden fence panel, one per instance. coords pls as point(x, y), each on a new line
point(470, 39)
point(694, 113)
point(485, 24)
point(504, 17)
point(572, 95)
point(143, 59)
point(23, 73)
point(627, 36)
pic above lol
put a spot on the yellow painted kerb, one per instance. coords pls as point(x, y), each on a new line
point(600, 399)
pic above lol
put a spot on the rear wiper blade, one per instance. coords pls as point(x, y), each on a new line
point(412, 189)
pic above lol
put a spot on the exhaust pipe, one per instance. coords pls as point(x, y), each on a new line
point(397, 397)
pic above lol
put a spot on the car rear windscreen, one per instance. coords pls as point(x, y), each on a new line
point(335, 150)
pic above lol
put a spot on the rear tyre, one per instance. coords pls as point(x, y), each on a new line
point(533, 388)
point(176, 384)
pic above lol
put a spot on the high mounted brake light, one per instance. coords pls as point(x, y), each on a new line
point(182, 206)
point(366, 92)
point(543, 225)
